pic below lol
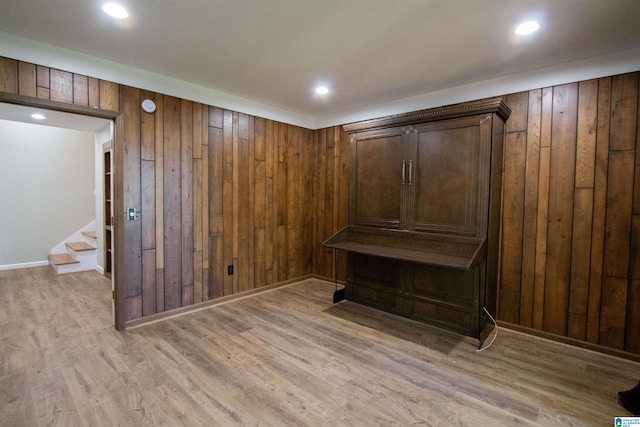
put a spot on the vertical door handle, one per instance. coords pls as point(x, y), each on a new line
point(410, 171)
point(403, 172)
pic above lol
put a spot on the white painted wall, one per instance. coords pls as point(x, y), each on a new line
point(47, 181)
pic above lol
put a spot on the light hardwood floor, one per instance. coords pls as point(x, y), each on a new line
point(285, 357)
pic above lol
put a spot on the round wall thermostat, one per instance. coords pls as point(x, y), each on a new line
point(149, 106)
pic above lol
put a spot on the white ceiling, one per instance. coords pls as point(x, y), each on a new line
point(272, 53)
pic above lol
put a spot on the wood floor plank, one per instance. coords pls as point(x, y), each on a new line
point(284, 357)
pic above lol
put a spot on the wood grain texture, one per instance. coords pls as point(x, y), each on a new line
point(529, 232)
point(8, 75)
point(61, 86)
point(606, 111)
point(632, 321)
point(285, 357)
point(27, 79)
point(564, 294)
point(561, 178)
point(129, 233)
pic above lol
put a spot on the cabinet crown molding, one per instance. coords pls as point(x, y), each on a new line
point(489, 105)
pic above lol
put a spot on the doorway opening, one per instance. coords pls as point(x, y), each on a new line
point(51, 183)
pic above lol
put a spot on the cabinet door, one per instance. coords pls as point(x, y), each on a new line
point(450, 182)
point(376, 178)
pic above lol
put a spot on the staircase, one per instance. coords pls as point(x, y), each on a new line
point(79, 255)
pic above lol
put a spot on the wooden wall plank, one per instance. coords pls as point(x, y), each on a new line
point(309, 166)
point(94, 92)
point(580, 257)
point(130, 262)
point(341, 208)
point(260, 134)
point(27, 79)
point(216, 266)
point(159, 199)
point(198, 128)
point(80, 90)
point(260, 222)
point(618, 213)
point(519, 104)
point(61, 86)
point(612, 317)
point(205, 203)
point(293, 201)
point(8, 75)
point(561, 178)
point(186, 199)
point(251, 208)
point(159, 187)
point(583, 208)
point(159, 288)
point(513, 213)
point(149, 299)
point(632, 321)
point(197, 277)
point(198, 179)
point(227, 198)
point(172, 205)
point(148, 224)
point(42, 82)
point(599, 209)
point(216, 117)
point(216, 180)
point(319, 183)
point(586, 133)
point(624, 111)
point(270, 216)
point(109, 96)
point(199, 293)
point(280, 201)
point(148, 205)
point(244, 208)
point(529, 231)
point(147, 130)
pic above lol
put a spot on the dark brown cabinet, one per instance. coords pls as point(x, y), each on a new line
point(424, 214)
point(108, 209)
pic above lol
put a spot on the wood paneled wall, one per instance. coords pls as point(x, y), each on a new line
point(331, 202)
point(215, 188)
point(570, 248)
point(571, 236)
point(36, 81)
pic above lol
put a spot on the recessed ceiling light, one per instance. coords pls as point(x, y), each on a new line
point(38, 116)
point(527, 28)
point(115, 10)
point(322, 90)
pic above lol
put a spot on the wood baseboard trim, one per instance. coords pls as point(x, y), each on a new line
point(327, 279)
point(570, 341)
point(169, 314)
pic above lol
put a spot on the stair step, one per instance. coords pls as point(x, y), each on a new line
point(62, 259)
point(80, 246)
point(90, 234)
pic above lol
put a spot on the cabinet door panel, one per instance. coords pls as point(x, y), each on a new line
point(376, 175)
point(457, 287)
point(446, 181)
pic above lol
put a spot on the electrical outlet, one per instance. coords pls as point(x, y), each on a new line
point(229, 270)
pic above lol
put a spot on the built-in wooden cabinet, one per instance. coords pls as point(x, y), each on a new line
point(424, 214)
point(108, 209)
